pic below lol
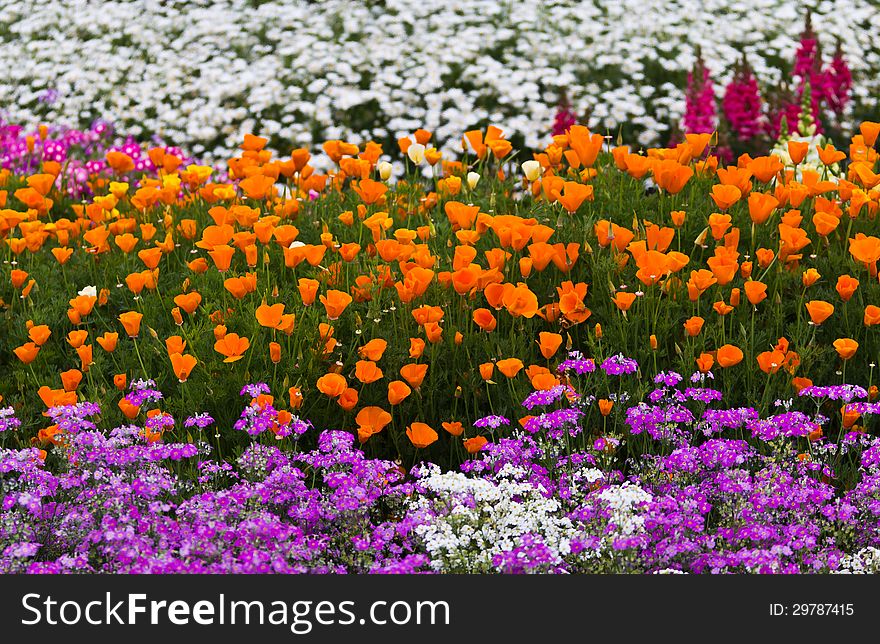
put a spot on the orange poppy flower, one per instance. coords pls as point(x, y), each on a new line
point(872, 315)
point(373, 349)
point(509, 366)
point(485, 320)
point(549, 343)
point(175, 344)
point(414, 374)
point(454, 428)
point(232, 346)
point(605, 406)
point(765, 168)
point(574, 195)
point(131, 321)
point(761, 206)
point(62, 254)
point(120, 381)
point(771, 361)
point(725, 196)
point(416, 348)
point(755, 292)
point(398, 391)
point(332, 384)
point(348, 399)
point(486, 370)
point(372, 420)
point(39, 334)
point(370, 191)
point(624, 300)
point(150, 257)
point(693, 326)
point(797, 150)
point(474, 445)
point(846, 347)
point(27, 352)
point(728, 356)
point(270, 316)
point(367, 371)
point(825, 223)
point(846, 287)
point(819, 310)
point(520, 301)
point(421, 435)
point(86, 358)
point(866, 250)
point(189, 302)
point(335, 302)
point(182, 365)
point(129, 411)
point(222, 256)
point(810, 277)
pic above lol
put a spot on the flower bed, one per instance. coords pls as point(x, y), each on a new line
point(693, 345)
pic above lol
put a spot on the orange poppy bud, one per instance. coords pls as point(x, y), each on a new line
point(120, 381)
point(486, 370)
point(605, 406)
point(598, 331)
point(275, 352)
point(653, 342)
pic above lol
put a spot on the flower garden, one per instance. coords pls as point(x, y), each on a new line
point(448, 351)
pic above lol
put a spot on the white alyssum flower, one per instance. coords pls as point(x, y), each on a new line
point(475, 519)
